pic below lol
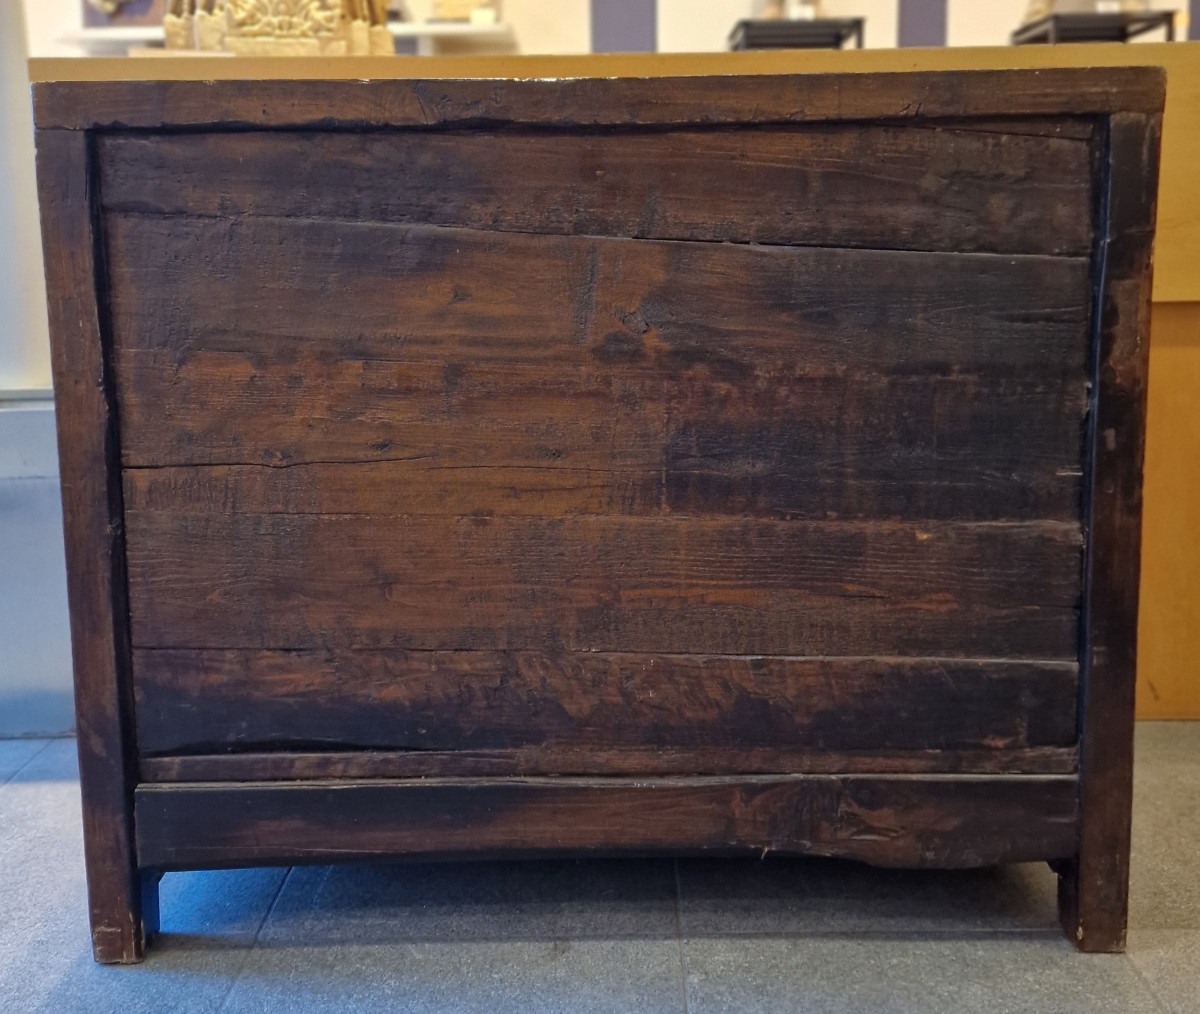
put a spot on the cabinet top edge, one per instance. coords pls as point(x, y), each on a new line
point(596, 101)
point(615, 65)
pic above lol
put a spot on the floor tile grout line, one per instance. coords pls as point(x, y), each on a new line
point(30, 760)
point(1159, 1002)
point(683, 965)
point(254, 942)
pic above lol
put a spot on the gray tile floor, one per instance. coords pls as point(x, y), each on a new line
point(642, 936)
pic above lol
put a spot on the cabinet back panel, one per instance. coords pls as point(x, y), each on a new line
point(740, 440)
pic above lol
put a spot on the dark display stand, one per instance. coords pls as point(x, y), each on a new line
point(1093, 28)
point(821, 33)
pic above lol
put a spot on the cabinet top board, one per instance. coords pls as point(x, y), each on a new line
point(589, 102)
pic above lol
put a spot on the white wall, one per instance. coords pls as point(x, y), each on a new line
point(685, 26)
point(541, 26)
point(557, 26)
point(983, 22)
point(24, 345)
point(46, 21)
point(882, 18)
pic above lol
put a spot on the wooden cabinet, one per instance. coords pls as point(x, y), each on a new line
point(460, 468)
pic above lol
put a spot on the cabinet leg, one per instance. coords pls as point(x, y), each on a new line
point(122, 925)
point(1092, 905)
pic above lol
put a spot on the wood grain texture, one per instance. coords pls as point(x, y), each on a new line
point(121, 906)
point(616, 376)
point(193, 702)
point(663, 101)
point(287, 766)
point(462, 528)
point(1094, 892)
point(372, 438)
point(1178, 233)
point(1001, 190)
point(425, 294)
point(604, 584)
point(724, 471)
point(888, 821)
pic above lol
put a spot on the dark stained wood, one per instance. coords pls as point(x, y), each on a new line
point(949, 822)
point(892, 187)
point(1094, 889)
point(1081, 128)
point(283, 287)
point(190, 702)
point(452, 511)
point(604, 584)
point(589, 760)
point(593, 102)
point(369, 438)
point(738, 471)
point(122, 905)
point(630, 377)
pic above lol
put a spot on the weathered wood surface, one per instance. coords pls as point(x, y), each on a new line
point(426, 294)
point(889, 821)
point(738, 472)
point(683, 101)
point(546, 376)
point(560, 760)
point(399, 469)
point(604, 584)
point(122, 908)
point(1094, 891)
point(493, 700)
point(551, 377)
point(890, 186)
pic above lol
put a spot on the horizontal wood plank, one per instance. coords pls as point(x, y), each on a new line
point(598, 102)
point(273, 288)
point(891, 187)
point(604, 584)
point(209, 701)
point(369, 438)
point(908, 821)
point(286, 766)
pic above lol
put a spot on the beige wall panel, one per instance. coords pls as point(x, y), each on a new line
point(1169, 623)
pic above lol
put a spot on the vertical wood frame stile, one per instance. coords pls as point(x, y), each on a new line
point(123, 900)
point(149, 811)
point(1094, 888)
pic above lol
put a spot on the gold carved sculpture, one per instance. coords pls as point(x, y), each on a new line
point(280, 27)
point(367, 30)
point(210, 24)
point(284, 27)
point(179, 24)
